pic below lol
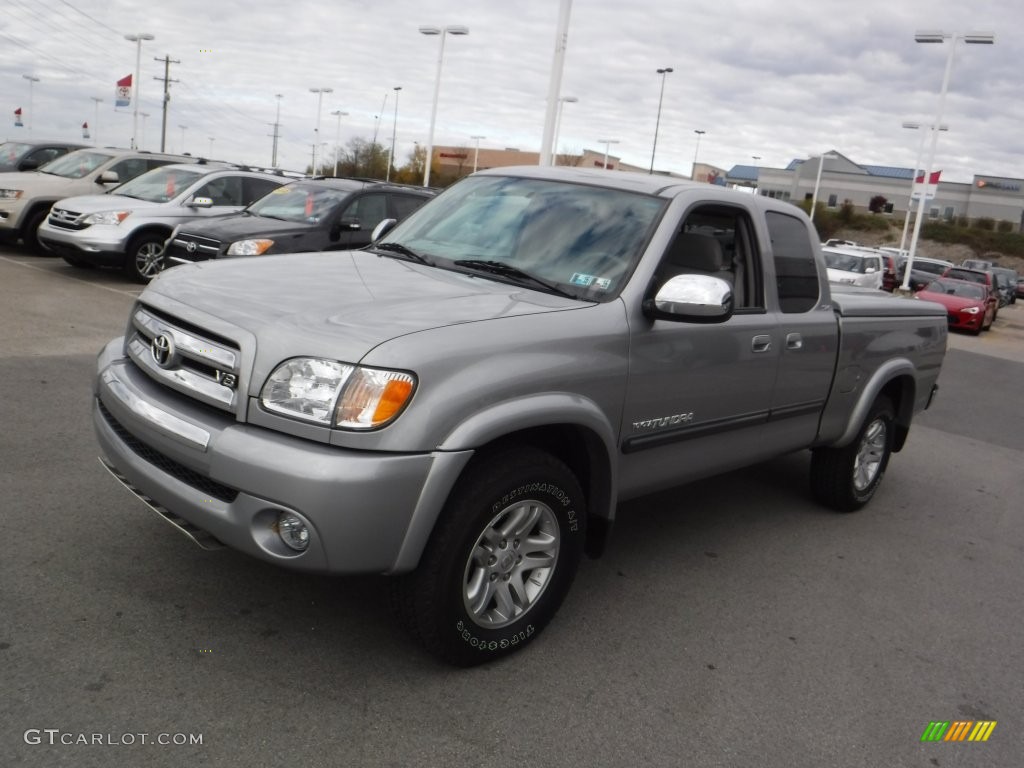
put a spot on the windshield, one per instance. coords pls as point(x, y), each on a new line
point(11, 152)
point(159, 185)
point(848, 262)
point(967, 274)
point(303, 203)
point(75, 165)
point(956, 288)
point(929, 266)
point(579, 238)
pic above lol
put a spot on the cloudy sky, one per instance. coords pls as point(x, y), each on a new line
point(777, 79)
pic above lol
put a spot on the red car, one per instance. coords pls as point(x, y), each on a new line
point(969, 306)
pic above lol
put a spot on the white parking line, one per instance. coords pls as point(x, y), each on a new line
point(122, 291)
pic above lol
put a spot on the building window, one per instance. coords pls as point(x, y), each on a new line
point(933, 213)
point(887, 208)
point(833, 201)
point(949, 213)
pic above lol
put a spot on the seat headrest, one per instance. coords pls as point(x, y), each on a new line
point(699, 252)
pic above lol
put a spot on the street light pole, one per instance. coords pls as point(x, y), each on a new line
point(277, 126)
point(937, 37)
point(32, 80)
point(558, 124)
point(455, 29)
point(555, 81)
point(137, 83)
point(607, 148)
point(913, 180)
point(817, 181)
point(394, 135)
point(693, 170)
point(319, 108)
point(337, 139)
point(657, 123)
point(476, 152)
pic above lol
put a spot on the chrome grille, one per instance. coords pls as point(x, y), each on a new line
point(65, 219)
point(185, 359)
point(188, 247)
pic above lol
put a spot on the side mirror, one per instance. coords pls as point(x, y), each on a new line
point(385, 226)
point(108, 177)
point(696, 298)
point(870, 271)
point(201, 202)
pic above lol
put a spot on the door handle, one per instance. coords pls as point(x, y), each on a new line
point(794, 341)
point(761, 343)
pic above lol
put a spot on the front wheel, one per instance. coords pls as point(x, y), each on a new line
point(846, 478)
point(500, 560)
point(145, 257)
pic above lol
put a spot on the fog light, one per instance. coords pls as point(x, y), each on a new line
point(293, 531)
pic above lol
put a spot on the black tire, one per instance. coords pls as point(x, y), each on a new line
point(30, 232)
point(474, 545)
point(78, 263)
point(840, 477)
point(144, 257)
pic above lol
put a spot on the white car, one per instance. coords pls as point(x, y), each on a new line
point(848, 266)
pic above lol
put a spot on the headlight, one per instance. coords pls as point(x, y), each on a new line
point(106, 217)
point(971, 310)
point(10, 194)
point(337, 394)
point(249, 247)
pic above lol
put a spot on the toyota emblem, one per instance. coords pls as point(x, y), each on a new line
point(191, 247)
point(162, 349)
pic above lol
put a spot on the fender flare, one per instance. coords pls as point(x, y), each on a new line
point(889, 371)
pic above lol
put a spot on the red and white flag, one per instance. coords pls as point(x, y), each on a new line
point(929, 188)
point(17, 118)
point(85, 130)
point(124, 92)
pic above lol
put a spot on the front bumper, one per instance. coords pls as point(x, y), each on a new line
point(95, 245)
point(367, 512)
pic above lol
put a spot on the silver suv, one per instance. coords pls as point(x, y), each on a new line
point(128, 226)
point(25, 198)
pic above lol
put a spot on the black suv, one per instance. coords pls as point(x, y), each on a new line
point(29, 155)
point(318, 214)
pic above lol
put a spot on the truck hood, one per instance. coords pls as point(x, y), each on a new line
point(37, 183)
point(96, 203)
point(338, 304)
point(241, 226)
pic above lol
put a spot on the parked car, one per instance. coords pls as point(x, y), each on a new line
point(976, 264)
point(983, 276)
point(30, 155)
point(465, 404)
point(923, 271)
point(1007, 283)
point(308, 215)
point(969, 306)
point(1020, 288)
point(26, 197)
point(128, 226)
point(849, 266)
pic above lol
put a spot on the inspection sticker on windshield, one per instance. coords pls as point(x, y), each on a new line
point(600, 283)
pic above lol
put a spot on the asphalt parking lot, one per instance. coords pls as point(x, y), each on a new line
point(732, 622)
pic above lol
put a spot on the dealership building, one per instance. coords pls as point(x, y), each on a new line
point(994, 197)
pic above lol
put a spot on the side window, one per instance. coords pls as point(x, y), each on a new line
point(796, 273)
point(718, 240)
point(254, 189)
point(369, 209)
point(227, 190)
point(128, 169)
point(43, 156)
point(403, 205)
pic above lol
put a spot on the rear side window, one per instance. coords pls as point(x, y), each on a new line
point(796, 273)
point(254, 189)
point(227, 190)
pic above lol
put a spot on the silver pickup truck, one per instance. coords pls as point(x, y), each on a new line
point(463, 404)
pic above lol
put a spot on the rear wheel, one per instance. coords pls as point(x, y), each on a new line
point(500, 560)
point(846, 478)
point(144, 259)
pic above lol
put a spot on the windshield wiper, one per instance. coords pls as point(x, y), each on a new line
point(402, 250)
point(502, 269)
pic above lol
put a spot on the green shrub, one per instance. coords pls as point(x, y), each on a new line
point(963, 222)
point(1004, 226)
point(985, 223)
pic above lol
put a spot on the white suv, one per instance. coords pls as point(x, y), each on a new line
point(25, 198)
point(850, 266)
point(128, 226)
